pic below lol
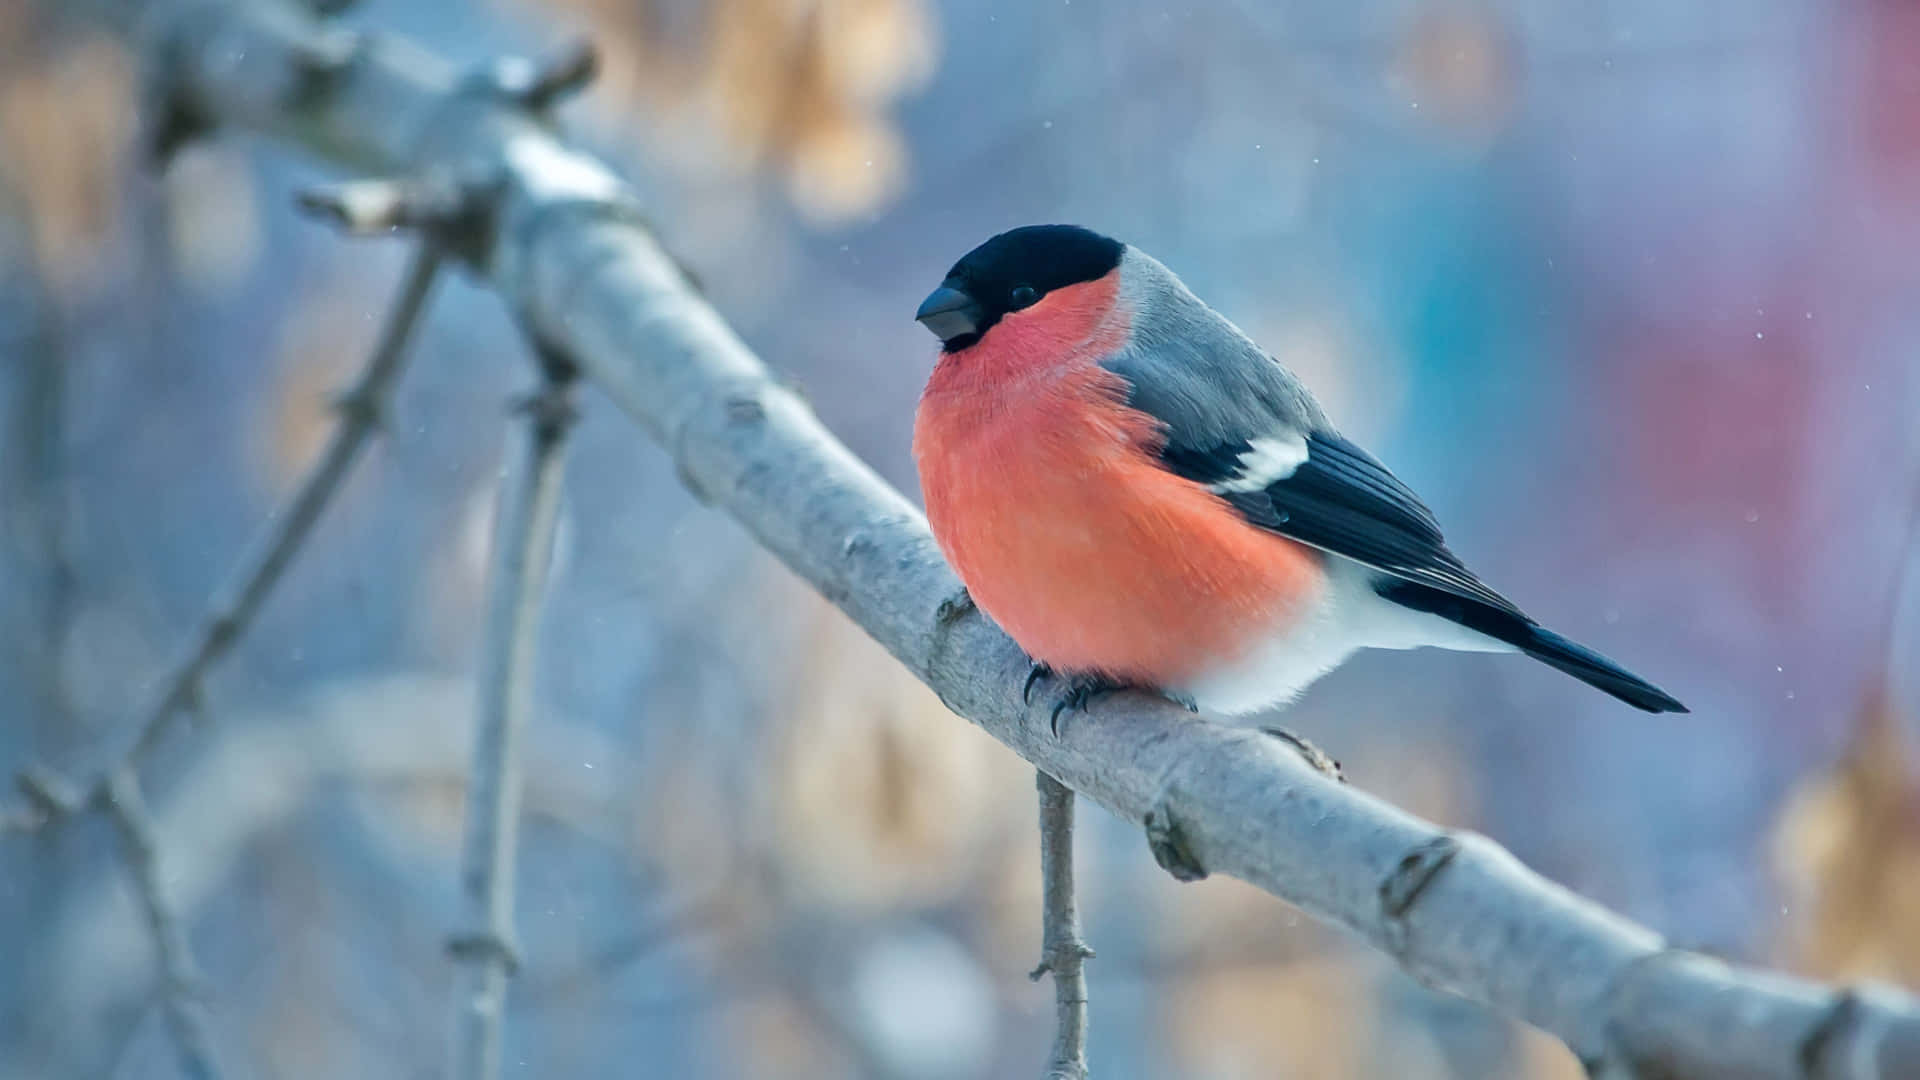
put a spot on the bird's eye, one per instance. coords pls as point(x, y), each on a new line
point(1023, 296)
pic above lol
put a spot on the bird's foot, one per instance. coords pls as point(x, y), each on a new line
point(1075, 696)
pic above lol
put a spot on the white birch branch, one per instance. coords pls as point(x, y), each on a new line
point(571, 257)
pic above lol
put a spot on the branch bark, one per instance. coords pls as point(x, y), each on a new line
point(522, 547)
point(573, 259)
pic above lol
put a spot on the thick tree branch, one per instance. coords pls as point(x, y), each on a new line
point(522, 547)
point(1062, 950)
point(571, 257)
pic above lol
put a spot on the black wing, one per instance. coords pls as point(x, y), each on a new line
point(1341, 500)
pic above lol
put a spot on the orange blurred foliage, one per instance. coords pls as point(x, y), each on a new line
point(1848, 849)
point(1459, 66)
point(66, 119)
point(798, 86)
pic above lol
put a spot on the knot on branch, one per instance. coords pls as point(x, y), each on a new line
point(947, 615)
point(1319, 759)
point(551, 407)
point(1169, 845)
point(1830, 1032)
point(1417, 870)
point(538, 85)
point(484, 947)
point(1062, 958)
point(555, 365)
point(361, 405)
point(222, 630)
point(455, 212)
point(856, 544)
point(954, 608)
point(1857, 1036)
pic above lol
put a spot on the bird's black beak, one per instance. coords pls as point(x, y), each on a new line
point(950, 313)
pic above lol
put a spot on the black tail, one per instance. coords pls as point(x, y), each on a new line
point(1536, 641)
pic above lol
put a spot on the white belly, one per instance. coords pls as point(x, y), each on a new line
point(1349, 617)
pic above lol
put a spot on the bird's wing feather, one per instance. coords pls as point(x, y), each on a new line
point(1340, 499)
point(1241, 423)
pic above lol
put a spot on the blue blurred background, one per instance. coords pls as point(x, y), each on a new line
point(1626, 289)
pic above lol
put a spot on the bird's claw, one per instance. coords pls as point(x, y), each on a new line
point(1035, 672)
point(1080, 690)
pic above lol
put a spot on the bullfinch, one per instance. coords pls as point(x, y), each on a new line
point(1140, 496)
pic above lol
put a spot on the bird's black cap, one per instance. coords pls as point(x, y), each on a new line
point(1012, 271)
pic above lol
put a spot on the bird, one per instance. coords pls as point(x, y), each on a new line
point(1142, 497)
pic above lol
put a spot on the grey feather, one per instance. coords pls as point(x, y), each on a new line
point(1192, 368)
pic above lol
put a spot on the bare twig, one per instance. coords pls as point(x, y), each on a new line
point(35, 468)
point(543, 84)
point(362, 408)
point(118, 797)
point(569, 256)
point(180, 994)
point(116, 793)
point(1062, 951)
point(522, 546)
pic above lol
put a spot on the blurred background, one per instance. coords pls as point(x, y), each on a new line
point(1627, 289)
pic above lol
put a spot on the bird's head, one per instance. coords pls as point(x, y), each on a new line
point(1040, 289)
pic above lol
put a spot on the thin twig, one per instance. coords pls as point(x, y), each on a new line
point(181, 1000)
point(1062, 951)
point(118, 798)
point(362, 408)
point(116, 792)
point(38, 520)
point(522, 546)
